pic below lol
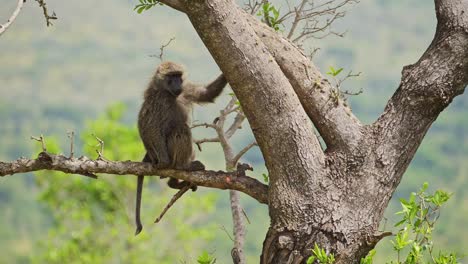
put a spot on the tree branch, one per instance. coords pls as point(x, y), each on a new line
point(48, 17)
point(176, 4)
point(297, 18)
point(4, 27)
point(219, 180)
point(199, 142)
point(172, 202)
point(238, 228)
point(426, 89)
point(237, 124)
point(334, 121)
point(243, 151)
point(231, 163)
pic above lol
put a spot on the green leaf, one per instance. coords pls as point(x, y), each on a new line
point(275, 12)
point(266, 7)
point(440, 197)
point(338, 71)
point(369, 259)
point(424, 187)
point(266, 178)
point(141, 9)
point(206, 258)
point(400, 223)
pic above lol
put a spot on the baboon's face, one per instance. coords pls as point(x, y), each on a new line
point(173, 83)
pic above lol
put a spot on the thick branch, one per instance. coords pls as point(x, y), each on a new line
point(85, 166)
point(4, 27)
point(334, 120)
point(427, 88)
point(176, 4)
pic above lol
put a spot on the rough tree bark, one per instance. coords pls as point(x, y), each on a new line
point(335, 198)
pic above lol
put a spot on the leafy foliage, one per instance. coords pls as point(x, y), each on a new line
point(369, 258)
point(334, 72)
point(206, 258)
point(270, 15)
point(419, 216)
point(145, 5)
point(266, 177)
point(321, 256)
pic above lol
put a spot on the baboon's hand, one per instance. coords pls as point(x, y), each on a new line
point(196, 166)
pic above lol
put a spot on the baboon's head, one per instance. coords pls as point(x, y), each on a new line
point(170, 76)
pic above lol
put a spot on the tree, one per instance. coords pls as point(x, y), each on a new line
point(334, 197)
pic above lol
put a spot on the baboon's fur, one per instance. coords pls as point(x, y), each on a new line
point(164, 122)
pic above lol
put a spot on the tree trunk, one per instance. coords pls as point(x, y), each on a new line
point(335, 198)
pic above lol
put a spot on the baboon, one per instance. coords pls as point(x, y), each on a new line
point(164, 123)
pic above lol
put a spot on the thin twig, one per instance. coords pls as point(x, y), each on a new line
point(252, 6)
point(71, 136)
point(42, 140)
point(199, 142)
point(243, 151)
point(172, 201)
point(4, 27)
point(297, 18)
point(48, 17)
point(206, 125)
point(245, 215)
point(313, 52)
point(101, 147)
point(315, 18)
point(227, 233)
point(161, 54)
point(349, 75)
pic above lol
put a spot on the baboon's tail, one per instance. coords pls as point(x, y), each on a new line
point(139, 191)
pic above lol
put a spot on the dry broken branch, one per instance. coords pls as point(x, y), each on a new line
point(161, 49)
point(243, 151)
point(172, 202)
point(71, 136)
point(47, 16)
point(42, 140)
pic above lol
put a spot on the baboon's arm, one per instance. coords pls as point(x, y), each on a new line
point(204, 93)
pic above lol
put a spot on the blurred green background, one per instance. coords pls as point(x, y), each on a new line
point(87, 74)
